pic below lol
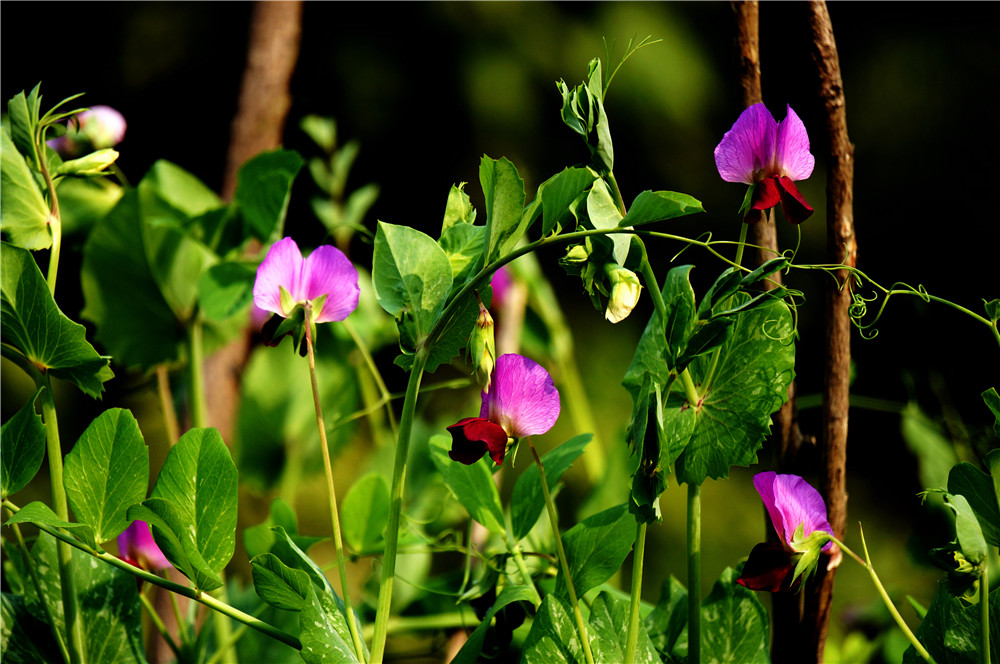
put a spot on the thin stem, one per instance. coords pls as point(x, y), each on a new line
point(338, 543)
point(167, 403)
point(515, 551)
point(158, 623)
point(55, 225)
point(75, 638)
point(984, 614)
point(196, 374)
point(376, 375)
point(418, 623)
point(633, 619)
point(694, 572)
point(396, 505)
point(743, 241)
point(554, 522)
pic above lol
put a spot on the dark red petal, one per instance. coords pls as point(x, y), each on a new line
point(792, 204)
point(769, 567)
point(472, 437)
point(766, 194)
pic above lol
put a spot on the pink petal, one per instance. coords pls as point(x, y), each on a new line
point(137, 544)
point(522, 398)
point(328, 271)
point(791, 154)
point(281, 267)
point(748, 147)
point(791, 501)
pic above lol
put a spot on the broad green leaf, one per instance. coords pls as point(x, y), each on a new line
point(558, 195)
point(681, 315)
point(609, 619)
point(463, 244)
point(226, 289)
point(33, 325)
point(458, 209)
point(504, 192)
point(765, 270)
point(106, 472)
point(553, 636)
point(992, 400)
point(411, 275)
point(455, 335)
point(978, 489)
point(708, 335)
point(666, 624)
point(24, 214)
point(198, 477)
point(24, 637)
point(364, 512)
point(527, 500)
point(725, 286)
point(992, 308)
point(935, 454)
point(749, 382)
point(967, 530)
point(604, 214)
point(261, 538)
point(278, 584)
point(82, 202)
point(263, 190)
point(23, 115)
point(734, 624)
point(471, 485)
point(469, 654)
point(952, 631)
point(324, 634)
point(596, 548)
point(650, 206)
point(40, 513)
point(22, 448)
point(176, 540)
point(179, 192)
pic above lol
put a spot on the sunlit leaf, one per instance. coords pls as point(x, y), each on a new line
point(22, 448)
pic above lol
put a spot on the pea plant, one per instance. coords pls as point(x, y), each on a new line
point(171, 272)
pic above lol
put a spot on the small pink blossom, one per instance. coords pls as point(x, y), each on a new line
point(98, 128)
point(136, 546)
point(327, 271)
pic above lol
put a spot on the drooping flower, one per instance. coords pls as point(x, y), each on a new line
point(97, 128)
point(522, 401)
point(624, 295)
point(137, 547)
point(769, 156)
point(327, 279)
point(798, 515)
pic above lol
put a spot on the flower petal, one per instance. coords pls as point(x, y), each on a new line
point(522, 398)
point(769, 567)
point(473, 437)
point(792, 203)
point(748, 147)
point(328, 271)
point(766, 195)
point(791, 152)
point(281, 267)
point(791, 501)
point(136, 544)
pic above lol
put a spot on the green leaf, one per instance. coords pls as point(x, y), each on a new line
point(596, 548)
point(609, 619)
point(967, 530)
point(708, 335)
point(278, 584)
point(463, 244)
point(34, 326)
point(263, 190)
point(604, 214)
point(469, 654)
point(471, 485)
point(992, 308)
point(766, 270)
point(978, 490)
point(951, 630)
point(23, 116)
point(411, 275)
point(559, 194)
point(324, 632)
point(458, 209)
point(180, 193)
point(666, 624)
point(176, 540)
point(725, 286)
point(553, 636)
point(24, 637)
point(935, 453)
point(365, 512)
point(261, 538)
point(992, 400)
point(504, 192)
point(734, 624)
point(22, 448)
point(527, 500)
point(198, 477)
point(24, 214)
point(106, 472)
point(650, 206)
point(40, 513)
point(749, 382)
point(226, 289)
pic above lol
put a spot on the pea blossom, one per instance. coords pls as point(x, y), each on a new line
point(327, 279)
point(99, 127)
point(522, 401)
point(798, 515)
point(137, 547)
point(769, 156)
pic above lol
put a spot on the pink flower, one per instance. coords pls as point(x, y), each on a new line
point(522, 401)
point(285, 279)
point(100, 127)
point(769, 156)
point(500, 282)
point(137, 547)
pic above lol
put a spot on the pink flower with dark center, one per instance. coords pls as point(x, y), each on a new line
point(522, 401)
point(769, 156)
point(326, 272)
point(137, 547)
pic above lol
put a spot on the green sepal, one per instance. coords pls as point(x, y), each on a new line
point(747, 200)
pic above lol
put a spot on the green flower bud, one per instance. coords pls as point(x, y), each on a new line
point(482, 347)
point(92, 164)
point(624, 293)
point(576, 254)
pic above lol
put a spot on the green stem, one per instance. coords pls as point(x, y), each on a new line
point(376, 375)
point(55, 225)
point(167, 403)
point(743, 241)
point(515, 551)
point(554, 522)
point(75, 638)
point(396, 504)
point(418, 623)
point(160, 626)
point(338, 544)
point(694, 572)
point(984, 614)
point(196, 369)
point(633, 619)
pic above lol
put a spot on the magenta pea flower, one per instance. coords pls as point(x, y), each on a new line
point(326, 279)
point(522, 401)
point(798, 515)
point(136, 546)
point(769, 156)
